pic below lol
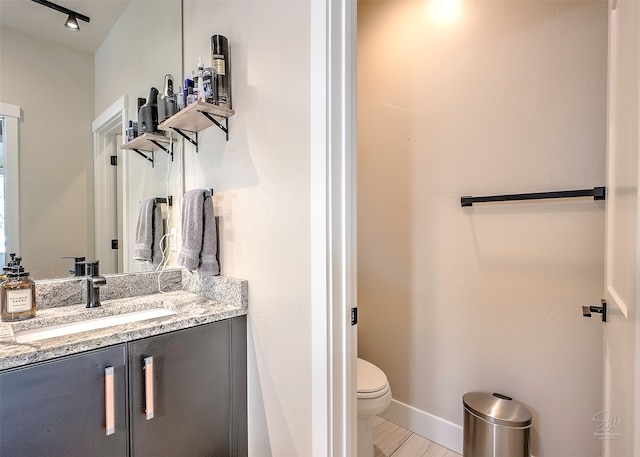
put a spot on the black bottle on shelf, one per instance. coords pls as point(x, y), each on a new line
point(222, 71)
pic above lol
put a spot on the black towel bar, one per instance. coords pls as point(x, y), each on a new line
point(168, 200)
point(598, 193)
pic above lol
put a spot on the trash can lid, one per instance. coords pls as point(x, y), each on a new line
point(497, 409)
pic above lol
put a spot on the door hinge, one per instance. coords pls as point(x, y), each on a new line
point(114, 244)
point(114, 161)
point(354, 316)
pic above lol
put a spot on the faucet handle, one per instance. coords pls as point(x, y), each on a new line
point(93, 268)
point(79, 264)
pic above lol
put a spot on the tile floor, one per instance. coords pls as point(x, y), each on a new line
point(391, 440)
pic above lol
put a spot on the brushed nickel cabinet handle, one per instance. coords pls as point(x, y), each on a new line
point(148, 387)
point(109, 401)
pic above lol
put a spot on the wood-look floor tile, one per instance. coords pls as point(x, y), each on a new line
point(387, 436)
point(391, 440)
point(417, 446)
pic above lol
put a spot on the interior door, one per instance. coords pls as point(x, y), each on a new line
point(618, 425)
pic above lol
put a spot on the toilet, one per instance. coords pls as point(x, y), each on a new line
point(374, 395)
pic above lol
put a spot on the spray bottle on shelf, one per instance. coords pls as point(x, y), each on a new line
point(198, 79)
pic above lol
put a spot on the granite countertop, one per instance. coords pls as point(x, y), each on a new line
point(190, 309)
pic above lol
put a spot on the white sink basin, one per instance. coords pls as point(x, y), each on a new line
point(50, 331)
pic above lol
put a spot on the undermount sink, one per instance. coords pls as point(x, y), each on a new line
point(51, 331)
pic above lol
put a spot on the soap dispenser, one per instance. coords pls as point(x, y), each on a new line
point(17, 295)
point(8, 267)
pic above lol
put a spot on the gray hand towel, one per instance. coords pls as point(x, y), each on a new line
point(158, 233)
point(208, 261)
point(192, 229)
point(198, 232)
point(142, 249)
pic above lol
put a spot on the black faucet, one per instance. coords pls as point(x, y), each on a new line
point(79, 266)
point(94, 283)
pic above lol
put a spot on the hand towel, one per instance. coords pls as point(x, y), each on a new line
point(208, 261)
point(198, 232)
point(149, 232)
point(143, 246)
point(158, 233)
point(192, 228)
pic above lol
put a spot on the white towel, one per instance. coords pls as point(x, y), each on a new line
point(149, 232)
point(198, 232)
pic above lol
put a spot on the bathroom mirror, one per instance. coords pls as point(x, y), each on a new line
point(61, 89)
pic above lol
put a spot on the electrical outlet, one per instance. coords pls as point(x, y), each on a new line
point(172, 240)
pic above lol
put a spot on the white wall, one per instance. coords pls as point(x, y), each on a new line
point(53, 85)
point(510, 97)
point(261, 177)
point(142, 47)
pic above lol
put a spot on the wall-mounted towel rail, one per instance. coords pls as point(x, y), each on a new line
point(598, 193)
point(207, 193)
point(168, 200)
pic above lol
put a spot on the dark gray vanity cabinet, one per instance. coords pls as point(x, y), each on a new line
point(61, 408)
point(182, 393)
point(180, 384)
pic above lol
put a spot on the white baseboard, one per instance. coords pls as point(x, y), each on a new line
point(433, 428)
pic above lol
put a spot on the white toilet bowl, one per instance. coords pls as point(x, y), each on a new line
point(374, 395)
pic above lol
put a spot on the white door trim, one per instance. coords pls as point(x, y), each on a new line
point(11, 139)
point(105, 129)
point(333, 227)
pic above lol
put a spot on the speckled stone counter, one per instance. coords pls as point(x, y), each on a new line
point(193, 299)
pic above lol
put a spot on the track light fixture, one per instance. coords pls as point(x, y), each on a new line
point(72, 23)
point(73, 16)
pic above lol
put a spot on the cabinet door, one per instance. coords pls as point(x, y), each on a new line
point(61, 408)
point(186, 386)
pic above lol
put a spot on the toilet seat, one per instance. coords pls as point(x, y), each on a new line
point(371, 381)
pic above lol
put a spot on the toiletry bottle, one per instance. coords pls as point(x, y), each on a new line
point(179, 99)
point(199, 81)
point(207, 77)
point(188, 82)
point(191, 97)
point(130, 131)
point(167, 101)
point(17, 295)
point(7, 268)
point(222, 70)
point(148, 114)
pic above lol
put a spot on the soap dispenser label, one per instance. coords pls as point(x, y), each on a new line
point(19, 301)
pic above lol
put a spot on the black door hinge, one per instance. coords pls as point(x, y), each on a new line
point(114, 161)
point(354, 316)
point(114, 244)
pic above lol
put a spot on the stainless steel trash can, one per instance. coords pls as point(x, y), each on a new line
point(495, 426)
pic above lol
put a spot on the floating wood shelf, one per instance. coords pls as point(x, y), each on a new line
point(196, 117)
point(149, 143)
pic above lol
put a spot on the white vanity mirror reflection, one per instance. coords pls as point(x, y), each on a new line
point(61, 88)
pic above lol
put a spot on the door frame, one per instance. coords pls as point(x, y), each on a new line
point(106, 128)
point(333, 138)
point(622, 297)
